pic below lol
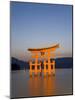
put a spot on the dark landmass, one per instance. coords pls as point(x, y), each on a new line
point(22, 64)
point(15, 67)
point(66, 62)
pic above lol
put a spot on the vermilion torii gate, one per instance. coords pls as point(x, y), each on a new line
point(48, 62)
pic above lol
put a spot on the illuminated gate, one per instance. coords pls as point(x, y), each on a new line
point(47, 54)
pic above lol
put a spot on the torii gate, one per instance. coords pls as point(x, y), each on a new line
point(49, 64)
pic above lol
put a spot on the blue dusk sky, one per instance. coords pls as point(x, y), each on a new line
point(40, 25)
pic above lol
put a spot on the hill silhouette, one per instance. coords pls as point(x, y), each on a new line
point(66, 62)
point(22, 64)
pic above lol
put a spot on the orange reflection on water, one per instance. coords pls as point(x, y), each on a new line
point(41, 86)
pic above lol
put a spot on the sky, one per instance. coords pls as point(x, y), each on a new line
point(40, 25)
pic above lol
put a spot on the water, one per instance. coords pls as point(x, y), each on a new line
point(24, 86)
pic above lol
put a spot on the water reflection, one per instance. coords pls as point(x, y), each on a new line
point(41, 86)
point(22, 85)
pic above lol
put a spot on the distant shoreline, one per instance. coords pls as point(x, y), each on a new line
point(66, 62)
point(28, 69)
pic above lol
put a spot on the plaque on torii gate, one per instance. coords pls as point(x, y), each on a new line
point(47, 54)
